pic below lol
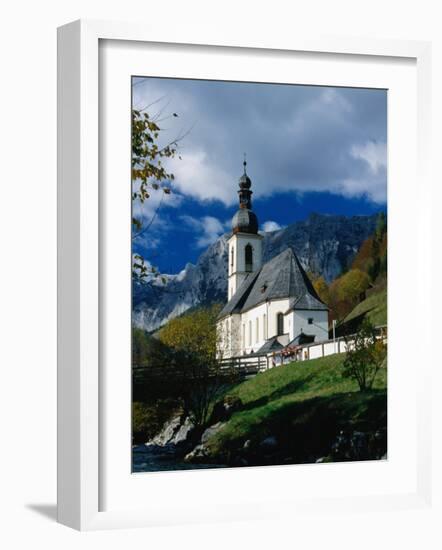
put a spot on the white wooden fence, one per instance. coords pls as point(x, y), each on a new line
point(256, 362)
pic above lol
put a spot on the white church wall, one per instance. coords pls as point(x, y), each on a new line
point(260, 324)
point(222, 339)
point(235, 337)
point(254, 328)
point(237, 261)
point(240, 241)
point(229, 337)
point(248, 332)
point(318, 326)
point(275, 307)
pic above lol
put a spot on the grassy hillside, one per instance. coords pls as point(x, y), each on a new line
point(303, 405)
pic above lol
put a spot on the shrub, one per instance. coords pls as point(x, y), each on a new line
point(365, 356)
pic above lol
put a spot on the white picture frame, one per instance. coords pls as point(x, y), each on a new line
point(79, 263)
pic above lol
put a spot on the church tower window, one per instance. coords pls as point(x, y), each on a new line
point(232, 252)
point(249, 257)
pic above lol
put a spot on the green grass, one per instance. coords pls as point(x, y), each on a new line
point(310, 400)
point(374, 307)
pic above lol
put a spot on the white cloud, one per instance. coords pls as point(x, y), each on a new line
point(271, 226)
point(151, 212)
point(297, 139)
point(199, 177)
point(207, 227)
point(372, 188)
point(372, 182)
point(373, 153)
point(332, 97)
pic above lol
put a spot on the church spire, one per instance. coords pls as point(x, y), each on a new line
point(245, 221)
point(245, 183)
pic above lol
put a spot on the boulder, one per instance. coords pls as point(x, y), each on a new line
point(199, 454)
point(166, 435)
point(210, 431)
point(357, 445)
point(184, 432)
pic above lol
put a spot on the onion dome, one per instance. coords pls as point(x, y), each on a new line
point(245, 221)
point(244, 181)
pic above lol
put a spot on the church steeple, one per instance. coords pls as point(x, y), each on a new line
point(245, 194)
point(245, 244)
point(245, 220)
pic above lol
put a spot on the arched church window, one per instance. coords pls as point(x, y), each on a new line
point(249, 257)
point(280, 323)
point(231, 255)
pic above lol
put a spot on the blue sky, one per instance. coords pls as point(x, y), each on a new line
point(309, 149)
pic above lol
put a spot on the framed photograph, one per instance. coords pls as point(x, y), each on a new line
point(234, 251)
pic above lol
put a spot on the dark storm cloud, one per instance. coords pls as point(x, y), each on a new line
point(297, 138)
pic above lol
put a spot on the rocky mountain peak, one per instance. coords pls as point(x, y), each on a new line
point(324, 244)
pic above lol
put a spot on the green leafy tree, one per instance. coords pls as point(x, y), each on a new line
point(372, 255)
point(366, 353)
point(149, 175)
point(352, 284)
point(194, 334)
point(374, 268)
point(346, 291)
point(147, 157)
point(194, 339)
point(364, 256)
point(381, 226)
point(148, 351)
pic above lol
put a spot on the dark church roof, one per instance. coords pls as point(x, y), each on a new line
point(270, 345)
point(281, 277)
point(302, 339)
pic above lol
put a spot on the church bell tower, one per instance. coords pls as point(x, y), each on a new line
point(245, 244)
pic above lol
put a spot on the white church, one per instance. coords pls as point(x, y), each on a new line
point(270, 306)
